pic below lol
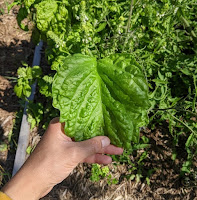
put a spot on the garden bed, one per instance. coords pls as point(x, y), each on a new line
point(165, 183)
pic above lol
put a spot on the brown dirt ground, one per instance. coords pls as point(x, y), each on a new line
point(16, 46)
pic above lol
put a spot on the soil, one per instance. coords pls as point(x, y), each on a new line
point(165, 183)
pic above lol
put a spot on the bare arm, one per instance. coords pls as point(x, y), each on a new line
point(53, 160)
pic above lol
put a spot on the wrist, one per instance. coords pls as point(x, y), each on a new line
point(26, 185)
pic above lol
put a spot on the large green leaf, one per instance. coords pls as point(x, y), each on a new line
point(105, 97)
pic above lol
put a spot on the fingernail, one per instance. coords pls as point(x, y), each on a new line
point(105, 142)
point(121, 149)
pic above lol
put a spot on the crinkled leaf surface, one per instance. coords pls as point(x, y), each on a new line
point(45, 13)
point(105, 97)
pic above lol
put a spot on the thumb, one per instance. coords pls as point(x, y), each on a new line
point(92, 146)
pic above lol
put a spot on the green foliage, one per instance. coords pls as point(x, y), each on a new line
point(22, 14)
point(136, 170)
point(45, 12)
point(98, 173)
point(9, 6)
point(3, 147)
point(26, 77)
point(105, 97)
point(35, 113)
point(161, 35)
point(2, 11)
point(29, 150)
point(45, 85)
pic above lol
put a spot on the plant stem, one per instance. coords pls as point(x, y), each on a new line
point(128, 24)
point(188, 27)
point(178, 110)
point(130, 14)
point(182, 123)
point(194, 100)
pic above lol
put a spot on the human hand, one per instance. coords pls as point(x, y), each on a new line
point(54, 159)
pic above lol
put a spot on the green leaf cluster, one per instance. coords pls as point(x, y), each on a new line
point(26, 77)
point(98, 173)
point(161, 35)
point(45, 85)
point(35, 113)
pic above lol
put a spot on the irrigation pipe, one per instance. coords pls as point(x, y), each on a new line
point(25, 127)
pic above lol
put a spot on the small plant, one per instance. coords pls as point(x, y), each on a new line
point(3, 147)
point(26, 77)
point(35, 113)
point(98, 173)
point(2, 11)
